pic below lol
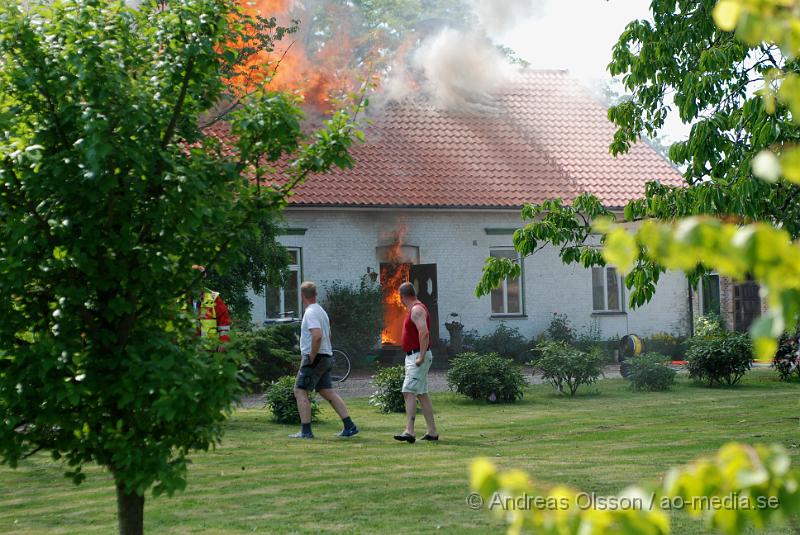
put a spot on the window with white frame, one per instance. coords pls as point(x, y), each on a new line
point(709, 294)
point(507, 296)
point(606, 290)
point(285, 301)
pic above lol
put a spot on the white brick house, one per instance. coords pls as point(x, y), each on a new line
point(455, 182)
point(458, 242)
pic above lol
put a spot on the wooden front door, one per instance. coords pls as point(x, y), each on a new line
point(423, 277)
point(746, 305)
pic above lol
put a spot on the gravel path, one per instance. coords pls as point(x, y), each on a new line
point(359, 384)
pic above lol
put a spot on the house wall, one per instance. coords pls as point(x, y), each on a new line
point(341, 244)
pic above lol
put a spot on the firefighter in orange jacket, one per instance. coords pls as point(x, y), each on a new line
point(213, 319)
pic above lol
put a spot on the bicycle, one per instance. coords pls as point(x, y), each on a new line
point(341, 360)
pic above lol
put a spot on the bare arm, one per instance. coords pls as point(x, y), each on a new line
point(316, 342)
point(419, 318)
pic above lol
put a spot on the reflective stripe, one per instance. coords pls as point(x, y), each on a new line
point(207, 315)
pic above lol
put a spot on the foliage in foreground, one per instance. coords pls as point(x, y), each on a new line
point(489, 377)
point(111, 188)
point(282, 404)
point(709, 67)
point(760, 476)
point(567, 368)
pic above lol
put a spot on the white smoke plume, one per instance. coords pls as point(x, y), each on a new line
point(460, 68)
point(498, 16)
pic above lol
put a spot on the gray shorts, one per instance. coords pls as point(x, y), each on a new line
point(416, 379)
point(317, 376)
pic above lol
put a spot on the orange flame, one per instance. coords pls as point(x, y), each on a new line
point(289, 69)
point(393, 274)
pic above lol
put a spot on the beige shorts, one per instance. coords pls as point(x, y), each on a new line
point(416, 380)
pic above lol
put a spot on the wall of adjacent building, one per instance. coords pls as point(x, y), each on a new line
point(342, 244)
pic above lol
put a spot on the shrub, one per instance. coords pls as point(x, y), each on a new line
point(269, 353)
point(356, 314)
point(590, 340)
point(664, 344)
point(488, 377)
point(564, 366)
point(722, 358)
point(708, 325)
point(787, 359)
point(388, 383)
point(561, 330)
point(281, 402)
point(650, 371)
point(505, 341)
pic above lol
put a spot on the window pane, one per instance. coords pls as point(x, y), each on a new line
point(498, 305)
point(503, 253)
point(273, 301)
point(598, 289)
point(514, 301)
point(291, 294)
point(293, 256)
point(613, 289)
point(711, 295)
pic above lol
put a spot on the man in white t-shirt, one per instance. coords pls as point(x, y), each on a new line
point(315, 365)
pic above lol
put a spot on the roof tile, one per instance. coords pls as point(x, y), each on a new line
point(548, 138)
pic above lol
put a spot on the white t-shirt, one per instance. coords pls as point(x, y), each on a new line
point(315, 317)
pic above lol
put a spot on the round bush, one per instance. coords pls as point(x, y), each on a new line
point(388, 383)
point(567, 368)
point(489, 377)
point(650, 372)
point(722, 358)
point(281, 402)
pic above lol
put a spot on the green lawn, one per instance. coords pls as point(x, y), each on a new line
point(260, 481)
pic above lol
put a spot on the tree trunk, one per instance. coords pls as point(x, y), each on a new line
point(130, 512)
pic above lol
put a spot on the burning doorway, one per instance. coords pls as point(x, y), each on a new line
point(398, 264)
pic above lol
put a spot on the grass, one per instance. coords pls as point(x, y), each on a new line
point(259, 481)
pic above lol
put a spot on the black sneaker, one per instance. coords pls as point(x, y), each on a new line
point(348, 432)
point(300, 434)
point(405, 437)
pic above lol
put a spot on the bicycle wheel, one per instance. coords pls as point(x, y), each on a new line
point(341, 366)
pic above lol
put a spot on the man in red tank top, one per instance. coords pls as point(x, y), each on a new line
point(416, 344)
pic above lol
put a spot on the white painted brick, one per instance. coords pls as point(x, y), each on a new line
point(341, 244)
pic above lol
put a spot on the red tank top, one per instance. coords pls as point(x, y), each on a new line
point(410, 337)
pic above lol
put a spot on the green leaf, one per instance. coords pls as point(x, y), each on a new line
point(59, 253)
point(620, 249)
point(765, 331)
point(790, 163)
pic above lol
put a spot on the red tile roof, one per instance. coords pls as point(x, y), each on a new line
point(547, 138)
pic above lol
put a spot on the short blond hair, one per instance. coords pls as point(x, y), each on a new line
point(308, 289)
